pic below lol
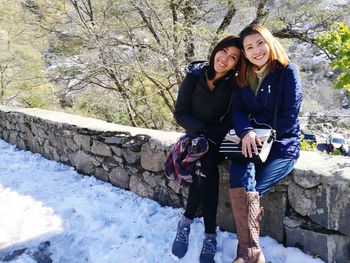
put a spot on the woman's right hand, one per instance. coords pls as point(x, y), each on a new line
point(250, 142)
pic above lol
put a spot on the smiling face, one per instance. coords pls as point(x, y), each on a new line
point(225, 60)
point(256, 50)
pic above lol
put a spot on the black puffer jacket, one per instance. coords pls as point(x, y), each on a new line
point(198, 109)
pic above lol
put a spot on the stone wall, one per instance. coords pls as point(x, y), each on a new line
point(310, 209)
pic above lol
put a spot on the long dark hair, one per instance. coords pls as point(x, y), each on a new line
point(229, 41)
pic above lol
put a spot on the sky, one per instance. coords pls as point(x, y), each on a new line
point(51, 213)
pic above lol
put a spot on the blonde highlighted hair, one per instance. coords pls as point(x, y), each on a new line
point(277, 53)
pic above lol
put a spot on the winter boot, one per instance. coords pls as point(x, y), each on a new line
point(247, 214)
point(208, 249)
point(180, 244)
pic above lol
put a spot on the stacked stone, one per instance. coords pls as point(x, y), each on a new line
point(309, 209)
point(126, 159)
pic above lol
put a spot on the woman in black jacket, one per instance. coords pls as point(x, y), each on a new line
point(202, 103)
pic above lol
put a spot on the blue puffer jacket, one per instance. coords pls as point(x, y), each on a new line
point(261, 108)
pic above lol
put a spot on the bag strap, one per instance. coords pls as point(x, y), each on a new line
point(277, 82)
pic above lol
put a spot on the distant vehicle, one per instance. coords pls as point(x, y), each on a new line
point(337, 141)
point(309, 137)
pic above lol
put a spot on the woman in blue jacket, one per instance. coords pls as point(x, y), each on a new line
point(267, 78)
point(202, 102)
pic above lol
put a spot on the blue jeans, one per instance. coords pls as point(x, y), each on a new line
point(259, 177)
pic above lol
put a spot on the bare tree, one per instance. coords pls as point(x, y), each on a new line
point(142, 43)
point(137, 49)
point(21, 60)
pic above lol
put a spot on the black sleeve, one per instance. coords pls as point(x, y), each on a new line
point(216, 133)
point(183, 108)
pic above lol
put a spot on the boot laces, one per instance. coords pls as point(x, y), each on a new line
point(209, 246)
point(182, 234)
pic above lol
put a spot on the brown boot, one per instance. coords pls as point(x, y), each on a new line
point(247, 213)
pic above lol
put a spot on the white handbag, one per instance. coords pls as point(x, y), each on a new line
point(231, 146)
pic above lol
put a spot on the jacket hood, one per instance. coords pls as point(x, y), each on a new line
point(197, 68)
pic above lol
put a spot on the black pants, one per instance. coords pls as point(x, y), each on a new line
point(205, 190)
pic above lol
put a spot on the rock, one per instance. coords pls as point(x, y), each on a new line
point(174, 186)
point(302, 200)
point(149, 178)
point(306, 179)
point(39, 254)
point(83, 141)
point(333, 206)
point(291, 222)
point(131, 157)
point(118, 139)
point(119, 177)
point(167, 197)
point(110, 163)
point(275, 207)
point(42, 253)
point(71, 144)
point(101, 174)
point(153, 155)
point(329, 247)
point(224, 216)
point(101, 148)
point(117, 151)
point(141, 188)
point(13, 255)
point(84, 162)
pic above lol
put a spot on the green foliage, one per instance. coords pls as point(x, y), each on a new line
point(306, 146)
point(125, 58)
point(21, 60)
point(37, 97)
point(68, 46)
point(149, 108)
point(337, 43)
point(94, 106)
point(336, 152)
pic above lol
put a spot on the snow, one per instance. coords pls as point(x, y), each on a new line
point(51, 213)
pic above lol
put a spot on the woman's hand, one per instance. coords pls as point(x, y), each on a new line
point(250, 142)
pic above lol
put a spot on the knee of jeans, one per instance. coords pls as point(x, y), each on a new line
point(267, 182)
point(235, 181)
point(249, 185)
point(243, 176)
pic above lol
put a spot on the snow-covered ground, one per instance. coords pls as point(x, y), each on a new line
point(50, 213)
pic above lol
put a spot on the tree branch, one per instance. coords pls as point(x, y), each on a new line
point(188, 11)
point(148, 23)
point(230, 13)
point(290, 33)
point(261, 12)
